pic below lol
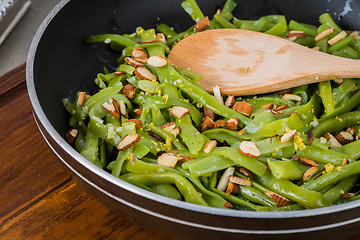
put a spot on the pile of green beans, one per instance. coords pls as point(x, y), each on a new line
point(319, 110)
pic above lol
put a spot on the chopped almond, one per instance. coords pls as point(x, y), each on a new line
point(122, 108)
point(231, 188)
point(217, 94)
point(334, 142)
point(138, 52)
point(246, 173)
point(288, 135)
point(206, 124)
point(241, 132)
point(157, 61)
point(161, 37)
point(219, 123)
point(71, 135)
point(138, 123)
point(292, 97)
point(308, 162)
point(351, 130)
point(128, 141)
point(168, 159)
point(178, 111)
point(324, 34)
point(278, 199)
point(249, 149)
point(345, 137)
point(309, 173)
point(209, 113)
point(268, 106)
point(232, 123)
point(202, 25)
point(228, 205)
point(224, 179)
point(243, 107)
point(347, 195)
point(344, 162)
point(81, 98)
point(338, 80)
point(296, 34)
point(133, 62)
point(337, 38)
point(209, 146)
point(112, 108)
point(144, 74)
point(240, 181)
point(137, 111)
point(230, 101)
point(171, 128)
point(129, 91)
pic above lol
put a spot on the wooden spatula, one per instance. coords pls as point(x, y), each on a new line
point(245, 62)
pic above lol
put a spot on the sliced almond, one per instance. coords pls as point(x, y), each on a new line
point(178, 111)
point(128, 141)
point(338, 80)
point(292, 97)
point(316, 48)
point(308, 162)
point(144, 74)
point(323, 34)
point(337, 38)
point(138, 123)
point(334, 142)
point(278, 199)
point(122, 108)
point(217, 94)
point(240, 181)
point(291, 38)
point(296, 34)
point(137, 111)
point(249, 149)
point(231, 188)
point(230, 101)
point(206, 124)
point(133, 62)
point(273, 111)
point(157, 61)
point(354, 88)
point(161, 37)
point(351, 130)
point(202, 25)
point(141, 59)
point(268, 106)
point(81, 98)
point(209, 113)
point(119, 73)
point(209, 146)
point(347, 195)
point(228, 205)
point(345, 137)
point(168, 159)
point(241, 132)
point(219, 123)
point(344, 162)
point(354, 34)
point(232, 123)
point(129, 91)
point(282, 107)
point(112, 107)
point(71, 135)
point(138, 52)
point(243, 107)
point(245, 172)
point(224, 179)
point(288, 135)
point(171, 128)
point(309, 173)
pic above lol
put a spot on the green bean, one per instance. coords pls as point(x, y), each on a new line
point(327, 96)
point(166, 30)
point(293, 25)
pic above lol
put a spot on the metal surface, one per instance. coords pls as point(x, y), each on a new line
point(59, 64)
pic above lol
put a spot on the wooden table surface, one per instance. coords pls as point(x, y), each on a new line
point(38, 200)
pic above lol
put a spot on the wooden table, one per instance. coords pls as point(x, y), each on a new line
point(38, 200)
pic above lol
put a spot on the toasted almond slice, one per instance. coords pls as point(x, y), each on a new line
point(288, 135)
point(317, 48)
point(240, 181)
point(241, 132)
point(208, 121)
point(133, 62)
point(246, 173)
point(138, 122)
point(297, 34)
point(209, 113)
point(291, 38)
point(129, 91)
point(178, 111)
point(351, 130)
point(141, 59)
point(157, 61)
point(243, 107)
point(185, 158)
point(345, 137)
point(354, 88)
point(308, 162)
point(230, 101)
point(144, 74)
point(278, 199)
point(234, 120)
point(334, 142)
point(137, 111)
point(209, 146)
point(128, 141)
point(292, 97)
point(309, 173)
point(202, 25)
point(347, 195)
point(232, 188)
point(122, 108)
point(71, 135)
point(168, 159)
point(354, 34)
point(138, 52)
point(81, 98)
point(268, 106)
point(224, 179)
point(338, 80)
point(250, 149)
point(112, 108)
point(219, 123)
point(161, 37)
point(119, 73)
point(357, 137)
point(171, 128)
point(345, 162)
point(337, 38)
point(324, 34)
point(217, 94)
point(275, 112)
point(228, 205)
point(282, 107)
point(231, 125)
